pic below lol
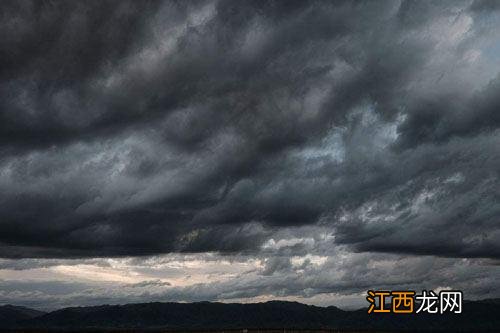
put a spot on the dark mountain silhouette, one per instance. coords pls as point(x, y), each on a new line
point(11, 315)
point(476, 316)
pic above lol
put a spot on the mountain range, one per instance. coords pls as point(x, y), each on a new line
point(476, 316)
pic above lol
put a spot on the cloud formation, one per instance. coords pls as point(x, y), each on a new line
point(267, 129)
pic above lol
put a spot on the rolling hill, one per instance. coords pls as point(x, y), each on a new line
point(480, 315)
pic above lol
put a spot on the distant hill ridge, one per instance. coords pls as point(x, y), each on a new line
point(478, 315)
point(11, 315)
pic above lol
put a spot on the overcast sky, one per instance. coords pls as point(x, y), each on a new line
point(247, 150)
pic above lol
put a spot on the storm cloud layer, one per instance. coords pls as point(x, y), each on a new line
point(262, 129)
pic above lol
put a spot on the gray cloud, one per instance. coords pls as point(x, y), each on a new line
point(132, 129)
point(338, 280)
point(143, 128)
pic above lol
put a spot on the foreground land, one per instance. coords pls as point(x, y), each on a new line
point(269, 317)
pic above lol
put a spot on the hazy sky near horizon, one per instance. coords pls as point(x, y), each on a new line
point(244, 151)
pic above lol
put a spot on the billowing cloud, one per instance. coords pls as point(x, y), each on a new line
point(268, 130)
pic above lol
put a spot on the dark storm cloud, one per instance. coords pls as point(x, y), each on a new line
point(135, 128)
point(443, 117)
